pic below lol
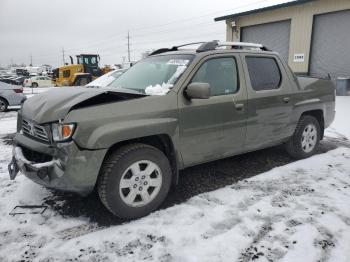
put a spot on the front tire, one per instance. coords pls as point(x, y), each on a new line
point(35, 85)
point(134, 180)
point(305, 141)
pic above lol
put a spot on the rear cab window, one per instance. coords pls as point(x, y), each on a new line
point(264, 73)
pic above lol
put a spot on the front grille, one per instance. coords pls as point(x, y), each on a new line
point(35, 156)
point(35, 131)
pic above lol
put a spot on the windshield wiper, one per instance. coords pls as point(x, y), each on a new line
point(131, 90)
point(126, 90)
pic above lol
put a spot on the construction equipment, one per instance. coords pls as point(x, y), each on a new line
point(84, 71)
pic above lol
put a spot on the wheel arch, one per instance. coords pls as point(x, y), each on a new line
point(319, 115)
point(163, 142)
point(3, 98)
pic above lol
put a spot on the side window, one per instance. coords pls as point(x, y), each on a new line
point(221, 74)
point(264, 73)
point(66, 73)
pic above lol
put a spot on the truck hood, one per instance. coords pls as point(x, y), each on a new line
point(55, 104)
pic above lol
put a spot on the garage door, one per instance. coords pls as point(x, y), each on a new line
point(274, 36)
point(330, 49)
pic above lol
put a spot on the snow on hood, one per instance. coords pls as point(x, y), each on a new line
point(158, 90)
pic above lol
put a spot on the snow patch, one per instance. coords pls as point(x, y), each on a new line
point(165, 87)
point(158, 90)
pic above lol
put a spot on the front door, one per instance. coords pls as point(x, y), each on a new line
point(214, 128)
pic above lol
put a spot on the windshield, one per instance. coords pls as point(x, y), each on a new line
point(154, 75)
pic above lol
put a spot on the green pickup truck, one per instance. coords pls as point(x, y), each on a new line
point(177, 108)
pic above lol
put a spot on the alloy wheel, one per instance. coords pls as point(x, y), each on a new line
point(140, 183)
point(309, 138)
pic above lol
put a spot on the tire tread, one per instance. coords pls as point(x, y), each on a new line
point(292, 145)
point(108, 165)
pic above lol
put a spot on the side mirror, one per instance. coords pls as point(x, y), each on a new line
point(198, 90)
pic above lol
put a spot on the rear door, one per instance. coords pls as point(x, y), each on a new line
point(214, 128)
point(269, 101)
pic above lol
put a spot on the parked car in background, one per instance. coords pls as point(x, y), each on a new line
point(10, 96)
point(38, 81)
point(20, 80)
point(22, 72)
point(8, 79)
point(106, 79)
point(13, 79)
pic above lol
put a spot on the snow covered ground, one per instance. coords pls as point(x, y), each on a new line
point(296, 212)
point(341, 123)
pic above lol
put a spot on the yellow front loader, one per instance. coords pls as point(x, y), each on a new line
point(84, 71)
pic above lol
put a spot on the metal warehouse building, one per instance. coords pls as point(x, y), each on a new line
point(312, 35)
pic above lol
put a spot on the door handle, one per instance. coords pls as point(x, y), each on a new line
point(286, 99)
point(239, 107)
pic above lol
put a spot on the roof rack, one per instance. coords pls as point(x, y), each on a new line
point(174, 48)
point(212, 45)
point(234, 45)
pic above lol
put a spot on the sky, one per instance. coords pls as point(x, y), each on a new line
point(41, 29)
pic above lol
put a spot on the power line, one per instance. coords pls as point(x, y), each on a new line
point(103, 42)
point(158, 43)
point(108, 38)
point(196, 17)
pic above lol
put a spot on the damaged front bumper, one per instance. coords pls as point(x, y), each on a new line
point(21, 163)
point(65, 166)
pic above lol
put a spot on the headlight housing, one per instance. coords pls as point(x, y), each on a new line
point(62, 132)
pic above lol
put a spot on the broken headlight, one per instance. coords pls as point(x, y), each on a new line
point(62, 132)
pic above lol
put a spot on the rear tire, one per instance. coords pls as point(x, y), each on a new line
point(3, 105)
point(306, 138)
point(35, 85)
point(134, 180)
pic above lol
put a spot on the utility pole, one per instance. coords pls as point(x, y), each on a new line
point(31, 59)
point(128, 37)
point(64, 61)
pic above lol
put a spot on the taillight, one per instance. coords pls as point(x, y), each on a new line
point(19, 90)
